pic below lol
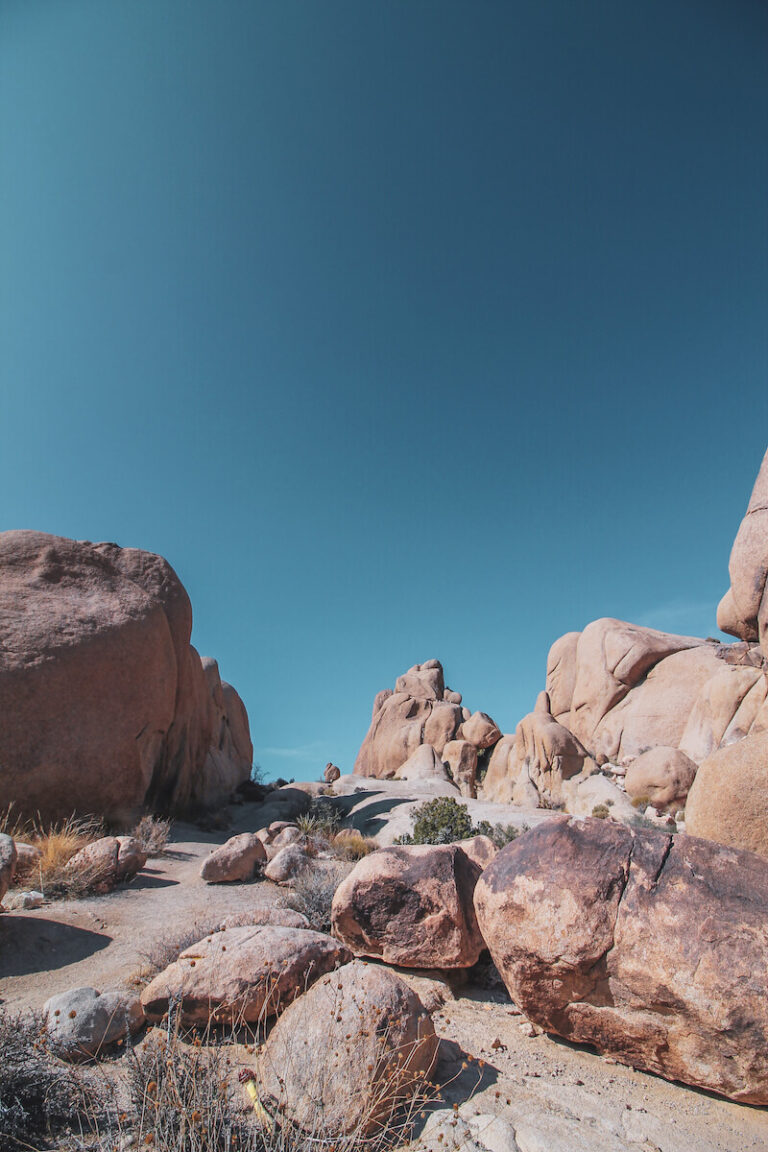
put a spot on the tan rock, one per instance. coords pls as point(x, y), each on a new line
point(745, 611)
point(612, 657)
point(331, 773)
point(653, 948)
point(274, 915)
point(480, 730)
point(7, 863)
point(461, 758)
point(415, 713)
point(411, 906)
point(728, 801)
point(347, 1053)
point(234, 861)
point(108, 861)
point(243, 974)
point(546, 753)
point(501, 777)
point(663, 776)
point(102, 634)
point(561, 673)
point(423, 764)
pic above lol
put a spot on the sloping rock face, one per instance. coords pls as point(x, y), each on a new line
point(650, 947)
point(411, 906)
point(743, 611)
point(8, 857)
point(106, 706)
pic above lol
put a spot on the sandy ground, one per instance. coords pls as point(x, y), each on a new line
point(577, 1100)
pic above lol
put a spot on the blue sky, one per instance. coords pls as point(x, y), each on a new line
point(402, 329)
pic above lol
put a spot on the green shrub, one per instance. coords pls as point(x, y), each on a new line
point(443, 821)
point(601, 811)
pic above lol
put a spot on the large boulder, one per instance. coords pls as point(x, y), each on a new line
point(743, 611)
point(82, 1022)
point(480, 730)
point(661, 777)
point(411, 906)
point(420, 711)
point(346, 1054)
point(728, 800)
point(101, 633)
point(243, 974)
point(7, 863)
point(235, 860)
point(108, 861)
point(651, 947)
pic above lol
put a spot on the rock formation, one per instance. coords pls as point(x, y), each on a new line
point(653, 948)
point(743, 611)
point(106, 707)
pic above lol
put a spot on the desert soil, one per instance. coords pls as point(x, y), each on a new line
point(577, 1100)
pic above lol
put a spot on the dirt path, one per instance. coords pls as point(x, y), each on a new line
point(102, 941)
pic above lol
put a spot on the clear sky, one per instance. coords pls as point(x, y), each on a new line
point(401, 328)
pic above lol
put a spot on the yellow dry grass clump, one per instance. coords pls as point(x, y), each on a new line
point(57, 844)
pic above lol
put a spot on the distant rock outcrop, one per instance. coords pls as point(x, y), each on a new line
point(743, 611)
point(106, 706)
point(422, 712)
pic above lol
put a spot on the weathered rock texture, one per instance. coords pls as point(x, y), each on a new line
point(344, 1055)
point(242, 974)
point(106, 707)
point(411, 906)
point(661, 777)
point(650, 947)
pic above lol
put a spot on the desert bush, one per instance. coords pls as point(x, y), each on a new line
point(349, 844)
point(500, 834)
point(40, 1098)
point(322, 820)
point(601, 811)
point(439, 821)
point(313, 891)
point(153, 833)
point(160, 953)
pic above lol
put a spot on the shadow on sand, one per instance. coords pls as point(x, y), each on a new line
point(35, 944)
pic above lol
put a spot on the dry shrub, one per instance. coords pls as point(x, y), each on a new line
point(153, 833)
point(161, 953)
point(349, 844)
point(41, 1099)
point(313, 891)
point(57, 843)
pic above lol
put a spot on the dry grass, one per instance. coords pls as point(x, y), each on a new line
point(153, 833)
point(57, 843)
point(313, 891)
point(349, 844)
point(161, 953)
